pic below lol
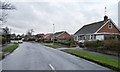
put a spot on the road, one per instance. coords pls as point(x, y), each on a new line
point(34, 56)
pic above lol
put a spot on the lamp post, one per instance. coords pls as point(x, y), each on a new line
point(53, 33)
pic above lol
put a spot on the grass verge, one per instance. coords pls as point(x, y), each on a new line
point(102, 60)
point(53, 46)
point(11, 48)
point(0, 55)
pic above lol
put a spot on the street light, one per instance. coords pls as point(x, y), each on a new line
point(53, 32)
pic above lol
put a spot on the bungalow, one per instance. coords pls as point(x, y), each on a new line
point(39, 37)
point(97, 31)
point(62, 35)
point(48, 36)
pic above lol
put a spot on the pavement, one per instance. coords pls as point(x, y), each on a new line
point(35, 56)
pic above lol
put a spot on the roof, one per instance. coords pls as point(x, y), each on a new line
point(48, 35)
point(40, 35)
point(90, 28)
point(58, 33)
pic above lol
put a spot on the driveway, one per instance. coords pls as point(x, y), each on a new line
point(34, 56)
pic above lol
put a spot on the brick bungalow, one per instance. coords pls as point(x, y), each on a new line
point(62, 35)
point(98, 30)
point(48, 36)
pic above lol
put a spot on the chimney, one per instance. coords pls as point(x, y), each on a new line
point(105, 18)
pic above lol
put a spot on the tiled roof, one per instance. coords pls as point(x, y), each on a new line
point(58, 33)
point(48, 35)
point(90, 28)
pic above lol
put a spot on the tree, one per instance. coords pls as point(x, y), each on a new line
point(29, 32)
point(6, 34)
point(29, 35)
point(5, 6)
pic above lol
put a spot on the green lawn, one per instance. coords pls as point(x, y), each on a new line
point(53, 46)
point(11, 48)
point(0, 55)
point(99, 59)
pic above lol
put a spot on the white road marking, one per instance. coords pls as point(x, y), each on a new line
point(50, 65)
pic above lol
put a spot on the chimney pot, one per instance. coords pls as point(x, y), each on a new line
point(105, 18)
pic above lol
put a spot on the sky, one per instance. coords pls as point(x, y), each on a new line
point(66, 15)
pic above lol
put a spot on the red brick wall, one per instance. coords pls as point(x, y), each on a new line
point(106, 29)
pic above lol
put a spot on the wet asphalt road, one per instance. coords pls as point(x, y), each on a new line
point(34, 56)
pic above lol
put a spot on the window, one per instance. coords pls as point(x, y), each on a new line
point(110, 26)
point(91, 37)
point(78, 37)
point(87, 37)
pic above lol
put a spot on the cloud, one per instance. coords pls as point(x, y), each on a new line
point(68, 16)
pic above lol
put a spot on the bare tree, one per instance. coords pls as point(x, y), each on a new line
point(5, 6)
point(29, 32)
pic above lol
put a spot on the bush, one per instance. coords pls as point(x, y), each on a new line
point(4, 40)
point(88, 44)
point(108, 46)
point(48, 41)
point(94, 44)
point(64, 42)
point(112, 45)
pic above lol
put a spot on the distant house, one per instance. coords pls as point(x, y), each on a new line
point(48, 36)
point(62, 35)
point(97, 31)
point(13, 36)
point(40, 36)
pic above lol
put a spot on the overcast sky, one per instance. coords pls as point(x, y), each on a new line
point(67, 15)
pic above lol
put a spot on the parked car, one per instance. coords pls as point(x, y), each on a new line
point(81, 43)
point(14, 41)
point(20, 41)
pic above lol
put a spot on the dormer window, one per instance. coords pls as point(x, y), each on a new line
point(110, 26)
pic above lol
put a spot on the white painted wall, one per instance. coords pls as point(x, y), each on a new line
point(99, 37)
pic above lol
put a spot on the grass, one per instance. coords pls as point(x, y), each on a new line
point(10, 48)
point(0, 55)
point(53, 46)
point(111, 63)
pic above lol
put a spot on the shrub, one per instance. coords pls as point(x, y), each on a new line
point(94, 43)
point(88, 44)
point(3, 40)
point(113, 45)
point(98, 43)
point(107, 46)
point(48, 41)
point(63, 42)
